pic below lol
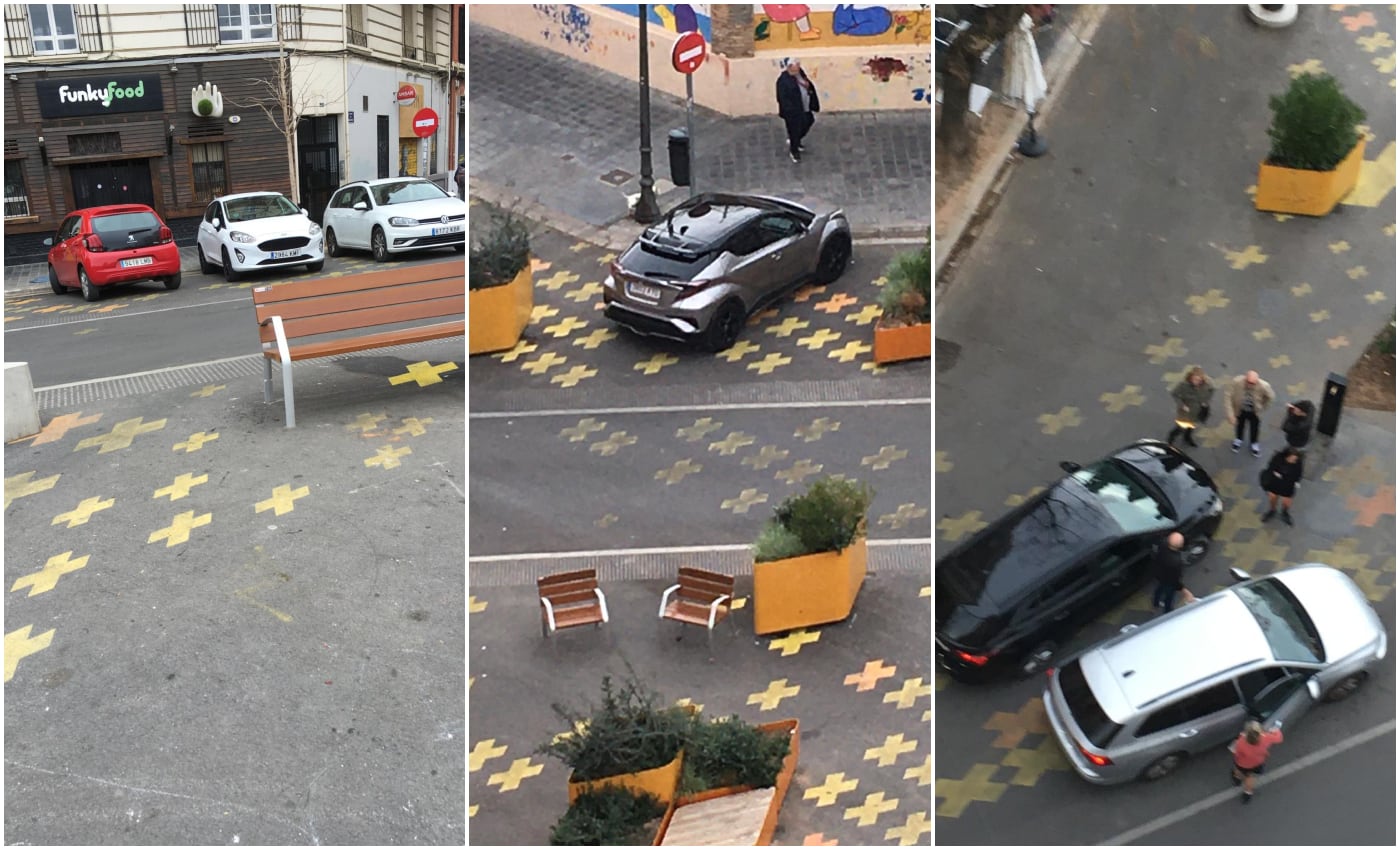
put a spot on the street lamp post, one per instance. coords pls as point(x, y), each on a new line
point(646, 210)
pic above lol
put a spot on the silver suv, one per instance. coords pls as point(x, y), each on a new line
point(1139, 703)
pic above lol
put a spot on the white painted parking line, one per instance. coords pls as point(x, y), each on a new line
point(1273, 775)
point(661, 550)
point(692, 408)
point(126, 315)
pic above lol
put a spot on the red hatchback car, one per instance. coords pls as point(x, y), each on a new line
point(106, 246)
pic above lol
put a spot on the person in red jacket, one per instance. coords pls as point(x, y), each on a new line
point(1251, 751)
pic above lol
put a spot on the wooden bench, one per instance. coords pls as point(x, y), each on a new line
point(699, 597)
point(571, 599)
point(306, 319)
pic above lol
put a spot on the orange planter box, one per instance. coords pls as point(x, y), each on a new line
point(808, 590)
point(659, 781)
point(1299, 192)
point(912, 342)
point(497, 316)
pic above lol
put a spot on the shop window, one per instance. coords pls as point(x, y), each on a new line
point(16, 194)
point(245, 22)
point(207, 162)
point(54, 28)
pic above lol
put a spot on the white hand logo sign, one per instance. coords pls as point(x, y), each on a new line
point(206, 101)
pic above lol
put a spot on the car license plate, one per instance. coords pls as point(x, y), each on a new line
point(641, 290)
point(443, 231)
point(136, 261)
point(282, 255)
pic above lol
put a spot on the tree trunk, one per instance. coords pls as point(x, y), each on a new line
point(964, 56)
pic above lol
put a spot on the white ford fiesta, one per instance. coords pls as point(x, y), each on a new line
point(257, 230)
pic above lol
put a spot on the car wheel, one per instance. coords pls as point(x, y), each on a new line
point(1196, 549)
point(725, 326)
point(332, 246)
point(378, 246)
point(1037, 659)
point(230, 273)
point(1163, 766)
point(835, 256)
point(205, 267)
point(1345, 688)
point(316, 266)
point(90, 292)
point(58, 288)
point(173, 282)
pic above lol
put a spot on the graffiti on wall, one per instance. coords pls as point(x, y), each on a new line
point(568, 24)
point(779, 26)
point(676, 17)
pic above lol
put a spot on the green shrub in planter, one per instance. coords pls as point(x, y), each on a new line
point(610, 816)
point(907, 296)
point(628, 732)
point(731, 752)
point(826, 518)
point(1314, 126)
point(498, 256)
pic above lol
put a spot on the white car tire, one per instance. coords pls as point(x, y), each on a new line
point(1272, 15)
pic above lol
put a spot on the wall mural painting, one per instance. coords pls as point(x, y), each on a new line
point(566, 23)
point(676, 17)
point(780, 26)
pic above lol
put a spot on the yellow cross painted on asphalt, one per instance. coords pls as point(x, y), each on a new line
point(1202, 304)
point(977, 785)
point(55, 568)
point(1129, 396)
point(423, 373)
point(868, 812)
point(1357, 272)
point(1239, 260)
point(366, 422)
point(817, 429)
point(1312, 66)
point(747, 498)
point(805, 294)
point(483, 752)
point(179, 529)
point(1337, 342)
point(818, 340)
point(387, 457)
point(573, 377)
point(543, 363)
point(732, 443)
point(1170, 347)
point(886, 456)
point(19, 486)
point(910, 691)
point(596, 338)
point(923, 772)
point(542, 312)
point(557, 281)
point(1280, 361)
point(1301, 289)
point(1298, 389)
point(793, 641)
point(914, 827)
point(1385, 64)
point(889, 752)
point(83, 512)
point(283, 497)
point(799, 471)
point(1054, 423)
point(765, 457)
point(1342, 555)
point(606, 520)
point(737, 351)
point(208, 390)
point(565, 327)
point(870, 675)
point(615, 441)
point(1031, 764)
point(121, 435)
point(61, 425)
point(196, 442)
point(835, 303)
point(1263, 334)
point(902, 516)
point(941, 462)
point(521, 349)
point(520, 770)
point(777, 691)
point(1017, 499)
point(1375, 41)
point(578, 433)
point(1260, 548)
point(787, 327)
point(701, 429)
point(1030, 719)
point(607, 258)
point(832, 787)
point(181, 486)
point(867, 314)
point(1375, 297)
point(1377, 177)
point(586, 292)
point(471, 810)
point(677, 471)
point(658, 361)
point(687, 701)
point(769, 363)
point(413, 426)
point(109, 308)
point(476, 606)
point(1339, 246)
point(19, 645)
point(538, 265)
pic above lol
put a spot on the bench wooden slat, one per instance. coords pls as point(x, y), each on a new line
point(297, 289)
point(574, 598)
point(363, 315)
point(696, 592)
point(450, 290)
point(332, 347)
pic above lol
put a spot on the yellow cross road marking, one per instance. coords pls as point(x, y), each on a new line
point(804, 294)
point(607, 258)
point(195, 442)
point(870, 675)
point(471, 810)
point(1377, 177)
point(387, 457)
point(1238, 260)
point(1031, 764)
point(958, 794)
point(746, 499)
point(1030, 719)
point(366, 422)
point(22, 485)
point(658, 361)
point(941, 462)
point(207, 390)
point(181, 486)
point(120, 436)
point(818, 340)
point(799, 471)
point(557, 281)
point(732, 443)
point(762, 316)
point(521, 349)
point(833, 786)
point(61, 425)
point(1201, 304)
point(595, 338)
point(1389, 229)
point(573, 377)
point(179, 529)
point(1280, 361)
point(1339, 246)
point(816, 430)
point(615, 441)
point(1263, 334)
point(1260, 548)
point(542, 312)
point(110, 308)
point(543, 363)
point(787, 327)
point(914, 827)
point(685, 701)
point(1312, 66)
point(607, 520)
point(1354, 23)
point(923, 772)
point(423, 373)
point(869, 811)
point(1298, 389)
point(777, 691)
point(701, 429)
point(483, 752)
point(585, 292)
point(793, 641)
point(835, 303)
point(519, 771)
point(886, 456)
point(578, 433)
point(566, 327)
point(474, 606)
point(1054, 423)
point(83, 512)
point(769, 363)
point(889, 752)
point(1385, 64)
point(902, 516)
point(1170, 347)
point(765, 457)
point(910, 691)
point(1375, 297)
point(1337, 342)
point(1017, 499)
point(677, 471)
point(19, 645)
point(1129, 396)
point(1375, 41)
point(1357, 272)
point(736, 352)
point(867, 314)
point(1302, 289)
point(413, 426)
point(55, 568)
point(283, 499)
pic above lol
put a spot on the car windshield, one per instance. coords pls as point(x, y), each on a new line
point(260, 206)
point(1283, 619)
point(406, 191)
point(1126, 499)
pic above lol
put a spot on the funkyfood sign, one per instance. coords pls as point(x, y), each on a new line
point(99, 96)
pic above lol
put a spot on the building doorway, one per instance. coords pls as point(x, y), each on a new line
point(383, 161)
point(319, 154)
point(101, 183)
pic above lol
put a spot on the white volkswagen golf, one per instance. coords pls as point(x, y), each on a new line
point(393, 215)
point(257, 230)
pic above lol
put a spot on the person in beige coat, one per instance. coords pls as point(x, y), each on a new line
point(1246, 399)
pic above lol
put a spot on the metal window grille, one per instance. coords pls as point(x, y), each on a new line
point(16, 195)
point(201, 25)
point(207, 162)
point(18, 39)
point(358, 39)
point(90, 35)
point(289, 16)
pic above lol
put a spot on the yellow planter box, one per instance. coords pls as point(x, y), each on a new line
point(497, 316)
point(913, 342)
point(660, 781)
point(1299, 192)
point(808, 590)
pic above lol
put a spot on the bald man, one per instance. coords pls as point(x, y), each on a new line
point(1167, 567)
point(1246, 399)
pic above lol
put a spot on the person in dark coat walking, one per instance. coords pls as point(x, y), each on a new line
point(797, 101)
point(1192, 397)
point(1298, 423)
point(1167, 567)
point(1280, 480)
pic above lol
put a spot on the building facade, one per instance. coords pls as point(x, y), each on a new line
point(172, 105)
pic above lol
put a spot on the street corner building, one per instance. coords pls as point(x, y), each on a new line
point(171, 105)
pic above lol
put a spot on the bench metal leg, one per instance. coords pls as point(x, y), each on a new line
point(286, 359)
point(267, 380)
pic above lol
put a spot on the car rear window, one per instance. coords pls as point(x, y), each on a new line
point(1084, 706)
point(114, 229)
point(642, 261)
point(387, 194)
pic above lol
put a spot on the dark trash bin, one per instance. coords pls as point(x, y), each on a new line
point(678, 146)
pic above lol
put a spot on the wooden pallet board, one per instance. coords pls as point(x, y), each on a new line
point(735, 820)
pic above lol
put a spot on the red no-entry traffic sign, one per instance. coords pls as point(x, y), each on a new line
point(425, 123)
point(689, 52)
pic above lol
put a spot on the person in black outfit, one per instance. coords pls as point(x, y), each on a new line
point(797, 101)
point(1280, 480)
point(1298, 423)
point(1167, 566)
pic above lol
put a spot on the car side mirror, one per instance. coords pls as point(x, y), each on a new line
point(1238, 575)
point(1131, 627)
point(1070, 466)
point(305, 213)
point(1314, 689)
point(361, 206)
point(216, 222)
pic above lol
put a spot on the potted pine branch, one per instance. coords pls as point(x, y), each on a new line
point(903, 331)
point(500, 285)
point(1316, 150)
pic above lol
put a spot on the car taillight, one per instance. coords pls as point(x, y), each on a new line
point(93, 242)
point(689, 289)
point(1049, 672)
point(165, 234)
point(1095, 758)
point(977, 660)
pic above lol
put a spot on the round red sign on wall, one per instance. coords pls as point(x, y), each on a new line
point(425, 123)
point(688, 54)
point(407, 95)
